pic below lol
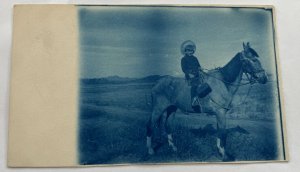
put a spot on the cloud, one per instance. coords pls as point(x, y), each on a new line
point(144, 41)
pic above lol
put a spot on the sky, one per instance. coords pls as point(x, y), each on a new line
point(141, 41)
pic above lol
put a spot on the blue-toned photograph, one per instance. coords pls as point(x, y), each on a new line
point(176, 84)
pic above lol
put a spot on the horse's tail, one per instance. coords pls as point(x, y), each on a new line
point(149, 103)
point(152, 100)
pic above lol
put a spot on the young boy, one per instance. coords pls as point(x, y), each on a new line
point(191, 68)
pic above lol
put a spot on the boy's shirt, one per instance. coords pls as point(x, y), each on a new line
point(190, 64)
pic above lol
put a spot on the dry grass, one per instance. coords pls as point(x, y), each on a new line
point(113, 128)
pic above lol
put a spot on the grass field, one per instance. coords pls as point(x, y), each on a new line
point(113, 118)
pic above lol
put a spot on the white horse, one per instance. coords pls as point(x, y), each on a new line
point(171, 93)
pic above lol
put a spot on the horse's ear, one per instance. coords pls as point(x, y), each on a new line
point(248, 44)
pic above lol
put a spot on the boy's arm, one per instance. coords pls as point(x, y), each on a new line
point(183, 66)
point(197, 62)
point(184, 69)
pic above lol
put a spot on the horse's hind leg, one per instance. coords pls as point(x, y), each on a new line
point(170, 111)
point(149, 137)
point(159, 107)
point(152, 124)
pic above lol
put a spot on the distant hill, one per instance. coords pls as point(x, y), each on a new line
point(151, 78)
point(121, 80)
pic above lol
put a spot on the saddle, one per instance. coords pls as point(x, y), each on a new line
point(203, 90)
point(198, 90)
point(199, 87)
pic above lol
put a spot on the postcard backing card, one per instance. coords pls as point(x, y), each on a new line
point(98, 85)
point(43, 97)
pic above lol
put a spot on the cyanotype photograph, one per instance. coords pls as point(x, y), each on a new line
point(178, 84)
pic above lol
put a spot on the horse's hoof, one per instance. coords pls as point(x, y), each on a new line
point(221, 152)
point(174, 149)
point(228, 158)
point(150, 151)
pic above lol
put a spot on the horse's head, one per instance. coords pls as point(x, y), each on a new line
point(251, 65)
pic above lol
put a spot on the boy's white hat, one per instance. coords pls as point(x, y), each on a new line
point(187, 43)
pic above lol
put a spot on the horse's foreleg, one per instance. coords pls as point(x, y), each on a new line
point(171, 143)
point(221, 128)
point(221, 148)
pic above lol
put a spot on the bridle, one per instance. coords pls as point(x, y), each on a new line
point(250, 78)
point(249, 73)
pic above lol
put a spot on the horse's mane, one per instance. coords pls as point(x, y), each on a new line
point(232, 69)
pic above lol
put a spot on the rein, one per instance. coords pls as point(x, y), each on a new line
point(229, 83)
point(249, 78)
point(229, 104)
point(237, 85)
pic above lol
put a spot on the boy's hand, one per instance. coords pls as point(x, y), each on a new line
point(187, 76)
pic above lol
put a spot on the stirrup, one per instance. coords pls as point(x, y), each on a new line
point(197, 108)
point(195, 101)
